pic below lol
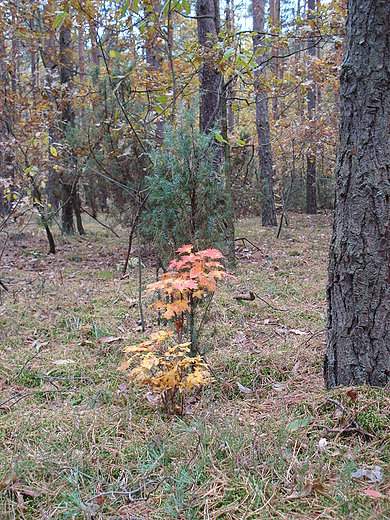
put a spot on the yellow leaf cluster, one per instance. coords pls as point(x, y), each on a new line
point(170, 372)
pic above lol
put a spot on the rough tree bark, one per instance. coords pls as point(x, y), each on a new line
point(268, 214)
point(311, 177)
point(358, 290)
point(210, 78)
point(213, 103)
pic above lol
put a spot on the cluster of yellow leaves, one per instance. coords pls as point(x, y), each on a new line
point(188, 278)
point(167, 370)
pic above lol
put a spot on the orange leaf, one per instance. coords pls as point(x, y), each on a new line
point(182, 285)
point(156, 286)
point(177, 306)
point(190, 258)
point(158, 306)
point(184, 249)
point(159, 336)
point(196, 269)
point(210, 253)
point(178, 326)
point(137, 348)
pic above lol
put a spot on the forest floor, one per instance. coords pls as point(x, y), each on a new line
point(77, 440)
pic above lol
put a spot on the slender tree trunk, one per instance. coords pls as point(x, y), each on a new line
point(311, 177)
point(67, 120)
point(50, 59)
point(81, 52)
point(230, 94)
point(77, 211)
point(95, 57)
point(154, 55)
point(358, 289)
point(5, 93)
point(268, 213)
point(275, 17)
point(228, 181)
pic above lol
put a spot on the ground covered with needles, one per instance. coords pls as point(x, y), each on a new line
point(264, 440)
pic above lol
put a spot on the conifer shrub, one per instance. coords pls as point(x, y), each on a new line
point(187, 191)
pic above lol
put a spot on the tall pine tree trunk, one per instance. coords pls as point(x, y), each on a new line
point(358, 290)
point(210, 78)
point(268, 214)
point(311, 176)
point(213, 103)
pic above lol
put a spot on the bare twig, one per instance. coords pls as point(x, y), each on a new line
point(99, 222)
point(269, 305)
point(19, 397)
point(244, 239)
point(130, 493)
point(353, 425)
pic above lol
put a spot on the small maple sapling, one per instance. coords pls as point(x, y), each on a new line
point(189, 279)
point(171, 370)
point(168, 370)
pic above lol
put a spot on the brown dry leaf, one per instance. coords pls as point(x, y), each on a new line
point(153, 399)
point(244, 389)
point(309, 487)
point(24, 491)
point(131, 301)
point(373, 493)
point(110, 339)
point(352, 395)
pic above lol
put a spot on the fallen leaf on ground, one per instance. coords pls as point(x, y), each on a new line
point(244, 389)
point(24, 491)
point(373, 493)
point(352, 395)
point(322, 443)
point(370, 475)
point(110, 339)
point(297, 332)
point(61, 362)
point(295, 368)
point(310, 486)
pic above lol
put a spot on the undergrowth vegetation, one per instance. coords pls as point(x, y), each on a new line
point(263, 440)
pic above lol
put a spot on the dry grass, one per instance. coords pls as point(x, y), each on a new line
point(76, 441)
